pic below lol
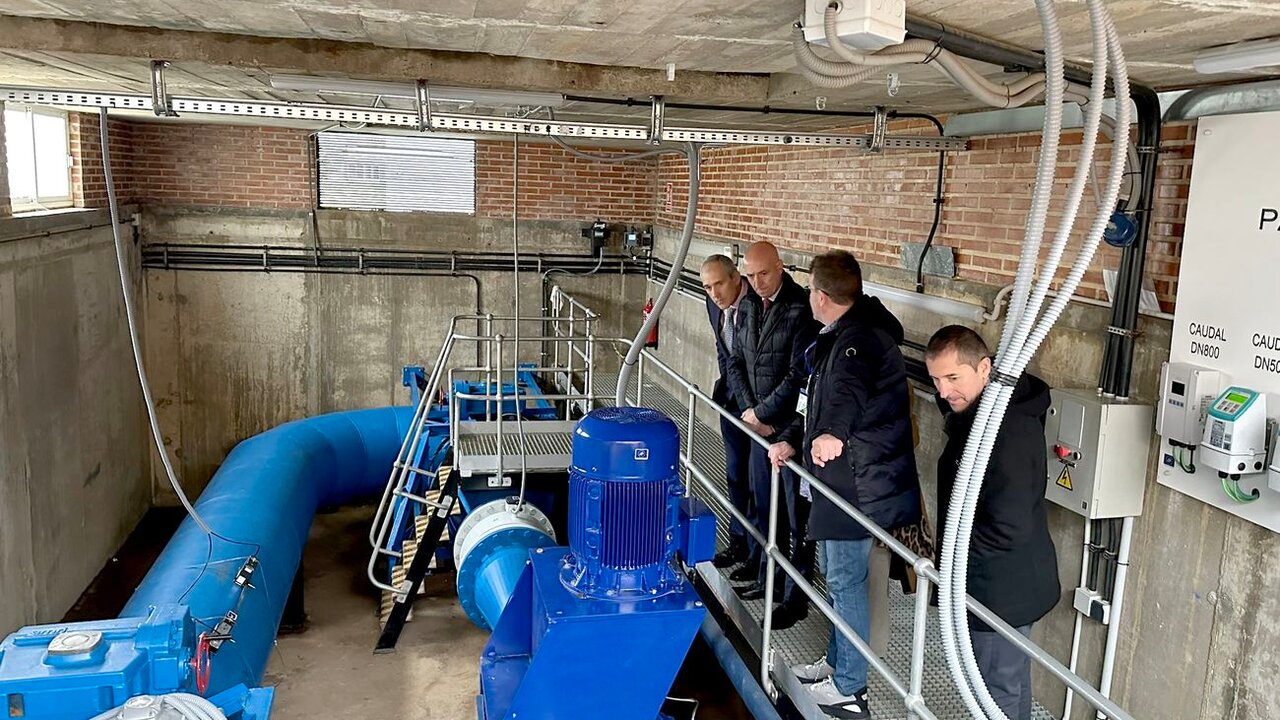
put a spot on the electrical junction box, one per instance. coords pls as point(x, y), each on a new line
point(1235, 433)
point(1098, 449)
point(865, 25)
point(1186, 392)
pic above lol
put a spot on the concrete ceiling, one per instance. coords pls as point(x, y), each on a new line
point(748, 38)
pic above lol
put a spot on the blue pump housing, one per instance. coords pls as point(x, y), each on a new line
point(599, 629)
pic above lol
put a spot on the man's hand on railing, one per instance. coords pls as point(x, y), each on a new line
point(826, 447)
point(753, 422)
point(780, 453)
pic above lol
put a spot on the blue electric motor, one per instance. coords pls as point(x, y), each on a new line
point(599, 629)
point(624, 505)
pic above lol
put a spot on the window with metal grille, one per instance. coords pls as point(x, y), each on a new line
point(37, 157)
point(397, 173)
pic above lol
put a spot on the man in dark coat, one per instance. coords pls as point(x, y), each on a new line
point(726, 291)
point(857, 441)
point(765, 378)
point(1013, 566)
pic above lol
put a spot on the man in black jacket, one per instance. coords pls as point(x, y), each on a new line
point(765, 378)
point(1013, 566)
point(856, 440)
point(726, 292)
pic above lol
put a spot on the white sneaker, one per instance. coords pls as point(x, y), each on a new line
point(820, 669)
point(837, 705)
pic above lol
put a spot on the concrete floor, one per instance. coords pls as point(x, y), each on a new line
point(331, 666)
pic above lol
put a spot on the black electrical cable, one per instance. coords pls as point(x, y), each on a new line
point(937, 204)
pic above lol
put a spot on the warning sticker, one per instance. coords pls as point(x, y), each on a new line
point(1064, 478)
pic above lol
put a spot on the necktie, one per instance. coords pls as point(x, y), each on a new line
point(727, 332)
point(767, 303)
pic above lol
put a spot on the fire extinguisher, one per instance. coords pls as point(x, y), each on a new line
point(652, 340)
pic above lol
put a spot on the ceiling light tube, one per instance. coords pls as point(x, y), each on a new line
point(440, 93)
point(1238, 57)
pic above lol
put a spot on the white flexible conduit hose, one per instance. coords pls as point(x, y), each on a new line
point(857, 66)
point(693, 152)
point(1024, 332)
point(131, 319)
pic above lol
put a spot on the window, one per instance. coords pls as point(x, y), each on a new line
point(38, 158)
point(397, 173)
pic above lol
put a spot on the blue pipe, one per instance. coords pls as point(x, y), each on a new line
point(261, 502)
point(753, 696)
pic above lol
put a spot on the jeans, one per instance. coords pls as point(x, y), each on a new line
point(844, 564)
point(1007, 671)
point(793, 522)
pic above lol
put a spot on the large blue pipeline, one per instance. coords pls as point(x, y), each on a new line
point(261, 502)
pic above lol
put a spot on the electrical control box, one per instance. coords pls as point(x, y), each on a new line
point(1098, 449)
point(1186, 392)
point(866, 25)
point(1235, 433)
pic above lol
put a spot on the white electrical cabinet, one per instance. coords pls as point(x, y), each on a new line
point(1098, 450)
point(1226, 331)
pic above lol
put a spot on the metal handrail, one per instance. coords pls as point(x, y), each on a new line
point(923, 567)
point(402, 471)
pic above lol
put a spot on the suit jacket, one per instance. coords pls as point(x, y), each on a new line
point(767, 368)
point(721, 393)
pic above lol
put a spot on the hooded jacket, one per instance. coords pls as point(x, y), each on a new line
point(858, 393)
point(1013, 566)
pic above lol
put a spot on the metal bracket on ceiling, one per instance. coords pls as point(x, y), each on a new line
point(159, 92)
point(422, 103)
point(656, 119)
point(879, 130)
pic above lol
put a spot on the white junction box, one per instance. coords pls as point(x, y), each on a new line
point(866, 25)
point(1098, 449)
point(1186, 392)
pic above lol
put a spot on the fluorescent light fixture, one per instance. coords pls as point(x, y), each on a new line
point(1238, 57)
point(440, 93)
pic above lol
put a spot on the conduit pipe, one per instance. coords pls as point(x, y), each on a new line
point(265, 495)
point(693, 153)
point(1023, 333)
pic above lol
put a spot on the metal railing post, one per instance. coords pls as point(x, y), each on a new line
point(917, 647)
point(488, 361)
point(771, 547)
point(568, 373)
point(688, 438)
point(590, 389)
point(640, 380)
point(502, 457)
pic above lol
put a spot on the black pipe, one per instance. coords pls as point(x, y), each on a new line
point(937, 208)
point(984, 50)
point(1117, 368)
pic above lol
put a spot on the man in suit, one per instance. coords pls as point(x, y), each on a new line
point(726, 291)
point(765, 377)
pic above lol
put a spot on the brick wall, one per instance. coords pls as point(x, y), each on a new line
point(555, 185)
point(814, 199)
point(88, 182)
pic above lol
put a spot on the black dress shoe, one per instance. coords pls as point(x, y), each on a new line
point(730, 556)
point(756, 592)
point(748, 572)
point(788, 614)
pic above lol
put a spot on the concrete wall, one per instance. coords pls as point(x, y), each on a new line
point(73, 453)
point(236, 353)
point(1196, 641)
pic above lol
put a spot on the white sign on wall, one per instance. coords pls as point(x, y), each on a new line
point(1228, 307)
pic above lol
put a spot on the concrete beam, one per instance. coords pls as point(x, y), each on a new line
point(361, 59)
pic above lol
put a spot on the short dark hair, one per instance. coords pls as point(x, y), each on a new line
point(969, 346)
point(837, 274)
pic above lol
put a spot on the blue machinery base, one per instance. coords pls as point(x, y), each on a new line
point(555, 655)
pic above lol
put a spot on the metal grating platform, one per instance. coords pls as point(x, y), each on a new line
point(547, 443)
point(807, 640)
